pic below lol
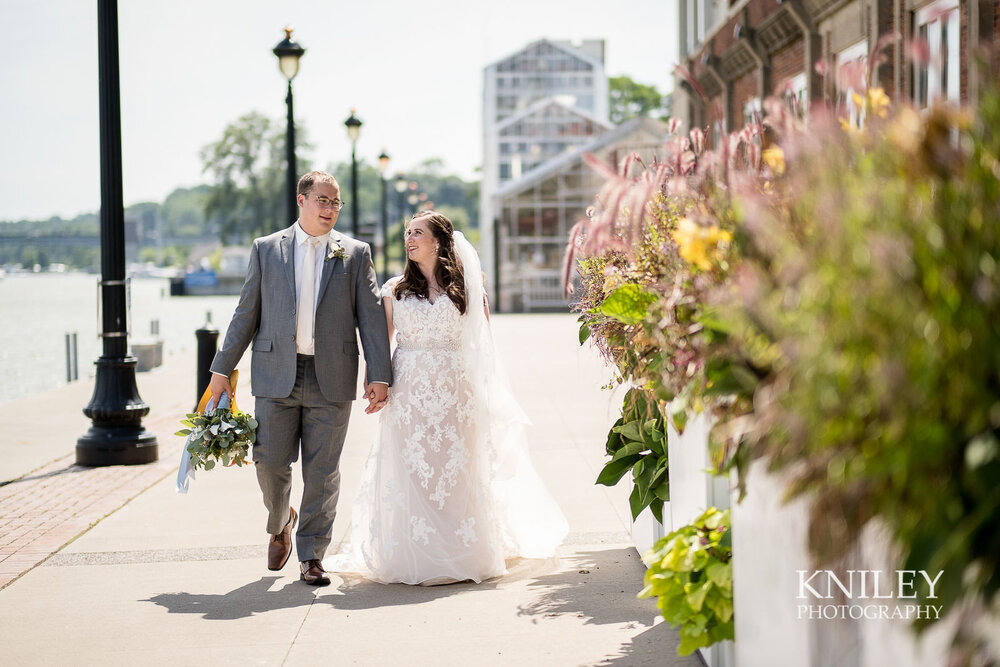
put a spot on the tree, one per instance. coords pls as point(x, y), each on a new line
point(629, 99)
point(248, 166)
point(183, 212)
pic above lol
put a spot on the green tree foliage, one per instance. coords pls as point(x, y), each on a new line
point(629, 99)
point(183, 212)
point(248, 168)
point(456, 198)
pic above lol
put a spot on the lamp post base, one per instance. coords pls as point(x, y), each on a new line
point(116, 446)
point(117, 436)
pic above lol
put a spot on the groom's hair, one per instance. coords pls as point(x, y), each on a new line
point(307, 182)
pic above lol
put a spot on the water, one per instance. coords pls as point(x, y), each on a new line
point(37, 310)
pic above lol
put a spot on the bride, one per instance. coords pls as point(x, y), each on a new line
point(448, 491)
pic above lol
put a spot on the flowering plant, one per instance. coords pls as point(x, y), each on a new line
point(335, 251)
point(845, 333)
point(221, 435)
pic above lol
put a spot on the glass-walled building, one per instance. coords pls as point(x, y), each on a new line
point(545, 101)
point(536, 212)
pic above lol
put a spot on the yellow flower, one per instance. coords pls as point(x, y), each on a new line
point(698, 244)
point(774, 158)
point(878, 102)
point(906, 130)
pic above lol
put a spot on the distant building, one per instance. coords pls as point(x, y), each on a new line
point(536, 212)
point(741, 51)
point(543, 102)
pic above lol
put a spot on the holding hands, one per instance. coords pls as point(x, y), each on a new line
point(377, 394)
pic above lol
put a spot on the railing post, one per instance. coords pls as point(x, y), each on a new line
point(69, 359)
point(208, 338)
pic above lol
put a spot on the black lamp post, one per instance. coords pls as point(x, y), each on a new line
point(353, 126)
point(116, 436)
point(288, 53)
point(401, 186)
point(383, 166)
point(414, 197)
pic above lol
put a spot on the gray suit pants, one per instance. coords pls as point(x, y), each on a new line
point(321, 426)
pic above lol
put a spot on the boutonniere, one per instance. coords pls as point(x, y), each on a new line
point(335, 251)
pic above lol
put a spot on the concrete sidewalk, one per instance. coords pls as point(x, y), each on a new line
point(128, 572)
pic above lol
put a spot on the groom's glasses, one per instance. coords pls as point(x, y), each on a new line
point(326, 202)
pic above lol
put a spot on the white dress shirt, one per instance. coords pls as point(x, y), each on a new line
point(301, 238)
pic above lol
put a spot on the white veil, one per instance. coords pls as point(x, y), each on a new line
point(532, 523)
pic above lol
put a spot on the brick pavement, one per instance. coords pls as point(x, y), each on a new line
point(43, 511)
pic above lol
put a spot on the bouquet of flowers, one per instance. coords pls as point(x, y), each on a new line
point(220, 435)
point(215, 434)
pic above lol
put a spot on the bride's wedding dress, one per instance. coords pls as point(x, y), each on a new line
point(448, 491)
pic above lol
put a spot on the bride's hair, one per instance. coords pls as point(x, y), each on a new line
point(448, 273)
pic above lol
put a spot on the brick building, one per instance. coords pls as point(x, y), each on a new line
point(740, 51)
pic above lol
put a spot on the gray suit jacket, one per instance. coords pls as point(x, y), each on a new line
point(347, 299)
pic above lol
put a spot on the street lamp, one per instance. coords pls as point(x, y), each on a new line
point(414, 196)
point(116, 435)
point(288, 53)
point(353, 126)
point(401, 186)
point(383, 166)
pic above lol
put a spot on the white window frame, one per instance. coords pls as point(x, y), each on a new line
point(752, 107)
point(939, 19)
point(796, 93)
point(855, 52)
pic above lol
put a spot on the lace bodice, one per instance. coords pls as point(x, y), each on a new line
point(424, 325)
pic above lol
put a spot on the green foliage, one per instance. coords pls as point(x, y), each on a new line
point(638, 443)
point(690, 572)
point(183, 212)
point(223, 436)
point(850, 333)
point(629, 99)
point(628, 304)
point(249, 169)
point(885, 400)
point(76, 242)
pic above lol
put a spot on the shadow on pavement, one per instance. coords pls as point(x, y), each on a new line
point(348, 592)
point(248, 600)
point(595, 588)
point(586, 584)
point(656, 646)
point(44, 475)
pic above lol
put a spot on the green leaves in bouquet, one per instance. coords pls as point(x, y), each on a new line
point(220, 437)
point(691, 575)
point(638, 443)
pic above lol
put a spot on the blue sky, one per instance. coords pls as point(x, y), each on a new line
point(413, 71)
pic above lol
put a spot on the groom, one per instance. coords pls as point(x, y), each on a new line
point(307, 287)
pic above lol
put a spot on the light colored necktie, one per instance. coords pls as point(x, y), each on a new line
point(307, 295)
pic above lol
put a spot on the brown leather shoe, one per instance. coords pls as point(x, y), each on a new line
point(279, 547)
point(312, 572)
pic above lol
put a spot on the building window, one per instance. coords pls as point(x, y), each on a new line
point(752, 111)
point(938, 26)
point(852, 65)
point(796, 92)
